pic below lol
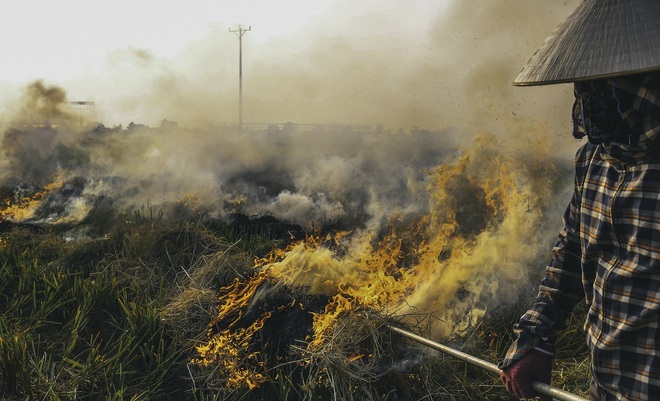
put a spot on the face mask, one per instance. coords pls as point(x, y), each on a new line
point(596, 114)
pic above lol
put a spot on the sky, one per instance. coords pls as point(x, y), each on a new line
point(66, 38)
point(399, 63)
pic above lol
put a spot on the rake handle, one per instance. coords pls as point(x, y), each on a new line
point(541, 387)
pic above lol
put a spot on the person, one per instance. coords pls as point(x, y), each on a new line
point(608, 253)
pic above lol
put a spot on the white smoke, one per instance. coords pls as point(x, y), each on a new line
point(429, 93)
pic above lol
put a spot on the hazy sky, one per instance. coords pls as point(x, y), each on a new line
point(64, 39)
point(400, 63)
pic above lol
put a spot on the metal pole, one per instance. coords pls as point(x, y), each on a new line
point(542, 388)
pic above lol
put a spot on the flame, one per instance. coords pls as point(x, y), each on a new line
point(477, 235)
point(229, 348)
point(22, 208)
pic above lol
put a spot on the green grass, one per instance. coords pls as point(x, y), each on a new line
point(79, 332)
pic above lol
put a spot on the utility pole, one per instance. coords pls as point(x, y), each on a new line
point(239, 33)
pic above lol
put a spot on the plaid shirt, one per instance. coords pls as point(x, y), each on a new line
point(609, 255)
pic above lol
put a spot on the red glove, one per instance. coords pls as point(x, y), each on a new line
point(533, 366)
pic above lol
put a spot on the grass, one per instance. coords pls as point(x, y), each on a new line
point(118, 316)
point(86, 319)
point(79, 332)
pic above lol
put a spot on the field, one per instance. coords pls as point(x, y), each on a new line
point(120, 317)
point(176, 263)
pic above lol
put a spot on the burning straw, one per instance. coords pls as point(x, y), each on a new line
point(323, 303)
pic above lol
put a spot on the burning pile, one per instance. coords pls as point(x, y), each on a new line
point(441, 270)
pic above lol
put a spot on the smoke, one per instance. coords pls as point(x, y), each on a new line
point(424, 98)
point(33, 148)
point(482, 231)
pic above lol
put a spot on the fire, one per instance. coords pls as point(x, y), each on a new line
point(21, 208)
point(442, 265)
point(228, 348)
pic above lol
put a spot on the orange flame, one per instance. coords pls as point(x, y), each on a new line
point(23, 209)
point(229, 348)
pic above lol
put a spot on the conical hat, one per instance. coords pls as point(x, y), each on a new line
point(601, 38)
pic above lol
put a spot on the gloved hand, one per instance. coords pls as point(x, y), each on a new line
point(536, 365)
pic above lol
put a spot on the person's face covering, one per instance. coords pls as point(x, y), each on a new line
point(597, 113)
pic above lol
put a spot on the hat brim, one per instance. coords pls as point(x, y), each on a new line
point(600, 39)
